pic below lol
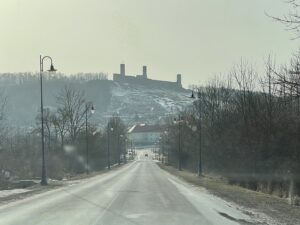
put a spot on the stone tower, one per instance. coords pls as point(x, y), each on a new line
point(122, 69)
point(145, 72)
point(179, 80)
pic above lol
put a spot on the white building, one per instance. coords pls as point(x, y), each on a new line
point(143, 134)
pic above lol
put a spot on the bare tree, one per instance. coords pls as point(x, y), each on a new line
point(3, 103)
point(288, 79)
point(71, 109)
point(117, 136)
point(291, 20)
point(59, 121)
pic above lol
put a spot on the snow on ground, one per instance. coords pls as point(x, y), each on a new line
point(6, 193)
point(212, 205)
point(150, 103)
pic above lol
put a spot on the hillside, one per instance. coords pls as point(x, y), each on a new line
point(132, 102)
point(139, 103)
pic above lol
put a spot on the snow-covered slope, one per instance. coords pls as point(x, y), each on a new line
point(148, 102)
point(136, 103)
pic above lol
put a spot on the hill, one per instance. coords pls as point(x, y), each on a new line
point(134, 102)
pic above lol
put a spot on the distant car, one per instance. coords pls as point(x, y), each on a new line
point(146, 155)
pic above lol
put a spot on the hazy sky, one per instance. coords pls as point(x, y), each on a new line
point(197, 38)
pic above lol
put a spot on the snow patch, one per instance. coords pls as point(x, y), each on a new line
point(6, 193)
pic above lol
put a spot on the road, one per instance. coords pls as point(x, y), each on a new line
point(138, 193)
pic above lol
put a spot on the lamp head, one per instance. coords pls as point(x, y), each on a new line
point(93, 109)
point(192, 95)
point(52, 69)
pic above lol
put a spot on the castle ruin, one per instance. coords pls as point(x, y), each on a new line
point(143, 79)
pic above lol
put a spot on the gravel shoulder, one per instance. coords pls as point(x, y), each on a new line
point(254, 203)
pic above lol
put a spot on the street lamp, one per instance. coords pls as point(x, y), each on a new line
point(119, 149)
point(44, 172)
point(126, 149)
point(123, 138)
point(131, 146)
point(167, 136)
point(199, 133)
point(179, 121)
point(159, 144)
point(87, 106)
point(109, 129)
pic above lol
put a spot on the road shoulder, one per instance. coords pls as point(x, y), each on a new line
point(19, 194)
point(274, 207)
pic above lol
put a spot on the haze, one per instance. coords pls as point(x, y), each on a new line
point(193, 37)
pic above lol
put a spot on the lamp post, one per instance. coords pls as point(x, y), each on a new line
point(44, 172)
point(167, 144)
point(179, 121)
point(87, 107)
point(126, 149)
point(160, 150)
point(109, 129)
point(119, 149)
point(199, 133)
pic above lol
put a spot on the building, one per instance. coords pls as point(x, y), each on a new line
point(122, 77)
point(144, 134)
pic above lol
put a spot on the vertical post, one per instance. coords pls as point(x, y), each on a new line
point(200, 137)
point(108, 151)
point(44, 175)
point(179, 144)
point(87, 141)
point(167, 145)
point(11, 144)
point(125, 150)
point(298, 101)
point(119, 152)
point(168, 150)
point(159, 150)
point(126, 146)
point(200, 149)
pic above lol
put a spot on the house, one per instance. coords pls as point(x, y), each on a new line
point(144, 134)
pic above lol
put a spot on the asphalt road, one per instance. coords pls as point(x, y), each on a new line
point(137, 193)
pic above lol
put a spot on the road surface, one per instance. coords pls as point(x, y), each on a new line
point(139, 193)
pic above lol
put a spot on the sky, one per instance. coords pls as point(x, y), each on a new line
point(196, 38)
